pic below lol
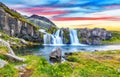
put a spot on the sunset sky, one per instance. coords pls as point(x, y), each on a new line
point(71, 12)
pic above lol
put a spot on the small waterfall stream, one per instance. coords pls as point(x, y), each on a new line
point(57, 38)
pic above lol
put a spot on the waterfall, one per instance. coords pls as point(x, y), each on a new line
point(57, 38)
point(53, 39)
point(73, 37)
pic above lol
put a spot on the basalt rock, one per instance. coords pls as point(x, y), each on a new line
point(93, 36)
point(15, 26)
point(66, 35)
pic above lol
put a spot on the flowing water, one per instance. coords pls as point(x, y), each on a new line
point(46, 50)
point(55, 40)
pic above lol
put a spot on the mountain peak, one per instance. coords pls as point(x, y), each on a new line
point(41, 21)
point(37, 16)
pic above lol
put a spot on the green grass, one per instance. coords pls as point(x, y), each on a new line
point(80, 64)
point(8, 71)
point(115, 38)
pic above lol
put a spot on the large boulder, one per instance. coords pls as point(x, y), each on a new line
point(56, 54)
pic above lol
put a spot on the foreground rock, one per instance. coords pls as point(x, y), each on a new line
point(2, 63)
point(56, 55)
point(10, 54)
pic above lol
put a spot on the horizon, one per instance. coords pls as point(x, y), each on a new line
point(68, 13)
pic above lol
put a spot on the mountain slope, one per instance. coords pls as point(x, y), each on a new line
point(41, 21)
point(14, 24)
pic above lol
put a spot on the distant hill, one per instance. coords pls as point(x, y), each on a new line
point(41, 21)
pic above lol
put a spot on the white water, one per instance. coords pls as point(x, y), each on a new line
point(53, 39)
point(74, 38)
point(57, 38)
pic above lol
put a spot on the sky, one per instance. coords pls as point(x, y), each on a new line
point(70, 12)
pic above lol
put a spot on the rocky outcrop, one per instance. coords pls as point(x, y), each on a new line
point(41, 21)
point(66, 35)
point(10, 54)
point(14, 26)
point(56, 55)
point(93, 36)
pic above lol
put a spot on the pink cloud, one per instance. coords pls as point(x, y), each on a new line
point(81, 18)
point(34, 9)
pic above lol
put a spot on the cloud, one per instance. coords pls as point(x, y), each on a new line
point(81, 18)
point(69, 9)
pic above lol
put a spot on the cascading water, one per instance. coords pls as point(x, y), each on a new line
point(74, 37)
point(57, 38)
point(53, 39)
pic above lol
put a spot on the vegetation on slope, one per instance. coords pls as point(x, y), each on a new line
point(15, 14)
point(79, 64)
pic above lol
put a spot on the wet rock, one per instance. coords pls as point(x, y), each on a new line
point(2, 63)
point(56, 55)
point(66, 54)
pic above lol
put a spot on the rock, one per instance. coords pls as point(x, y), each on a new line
point(14, 57)
point(68, 53)
point(65, 33)
point(93, 36)
point(4, 43)
point(2, 63)
point(23, 41)
point(13, 26)
point(21, 68)
point(56, 54)
point(10, 54)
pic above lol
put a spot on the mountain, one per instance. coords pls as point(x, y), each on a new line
point(41, 21)
point(14, 24)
